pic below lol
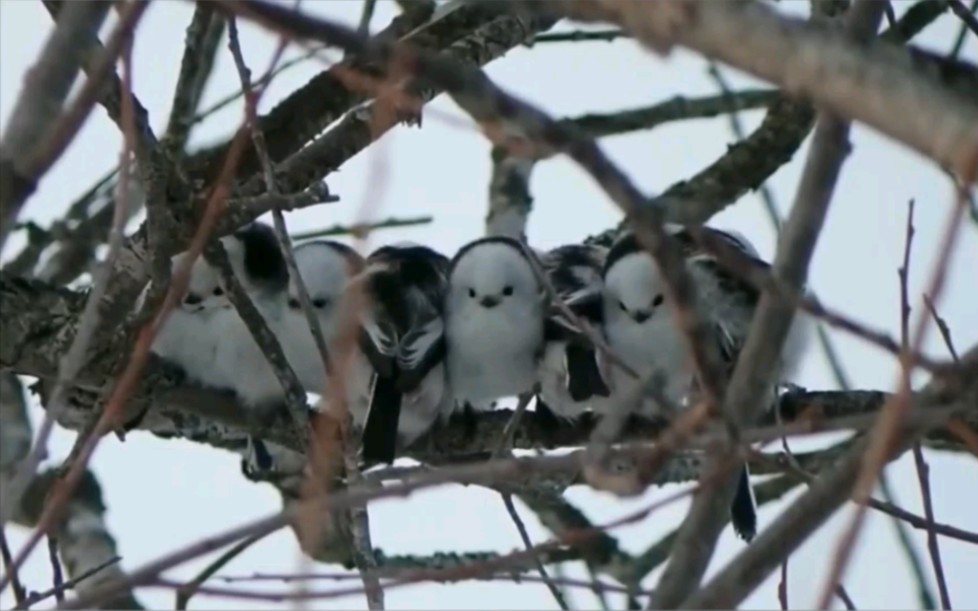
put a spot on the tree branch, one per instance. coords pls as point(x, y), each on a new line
point(84, 541)
point(39, 104)
point(872, 83)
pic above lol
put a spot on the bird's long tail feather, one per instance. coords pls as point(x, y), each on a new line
point(380, 429)
point(743, 511)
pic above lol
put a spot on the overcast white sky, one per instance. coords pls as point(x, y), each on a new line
point(163, 494)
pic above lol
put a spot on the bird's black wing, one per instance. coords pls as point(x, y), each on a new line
point(421, 349)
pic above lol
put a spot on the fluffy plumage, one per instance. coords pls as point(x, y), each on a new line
point(257, 261)
point(494, 314)
point(396, 386)
point(325, 267)
point(569, 371)
point(640, 329)
point(189, 338)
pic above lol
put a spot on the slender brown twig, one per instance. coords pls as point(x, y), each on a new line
point(11, 569)
point(186, 591)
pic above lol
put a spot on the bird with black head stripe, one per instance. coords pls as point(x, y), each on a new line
point(325, 267)
point(570, 371)
point(396, 381)
point(641, 330)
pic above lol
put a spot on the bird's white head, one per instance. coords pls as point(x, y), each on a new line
point(325, 267)
point(492, 275)
point(205, 292)
point(633, 288)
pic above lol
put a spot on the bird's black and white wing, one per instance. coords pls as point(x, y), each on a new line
point(574, 271)
point(407, 292)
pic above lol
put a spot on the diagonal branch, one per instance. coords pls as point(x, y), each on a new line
point(796, 524)
point(200, 48)
point(872, 83)
point(754, 371)
point(39, 104)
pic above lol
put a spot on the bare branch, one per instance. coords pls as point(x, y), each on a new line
point(871, 83)
point(39, 104)
point(200, 48)
point(753, 375)
point(733, 583)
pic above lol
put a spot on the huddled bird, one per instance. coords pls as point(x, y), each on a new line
point(430, 335)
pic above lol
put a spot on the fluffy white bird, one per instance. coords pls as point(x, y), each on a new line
point(188, 338)
point(258, 264)
point(396, 383)
point(569, 371)
point(325, 267)
point(494, 323)
point(498, 324)
point(641, 330)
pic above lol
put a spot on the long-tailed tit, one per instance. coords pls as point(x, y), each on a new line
point(494, 323)
point(258, 264)
point(498, 323)
point(641, 330)
point(396, 384)
point(325, 267)
point(569, 370)
point(189, 338)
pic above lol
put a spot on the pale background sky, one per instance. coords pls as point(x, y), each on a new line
point(164, 494)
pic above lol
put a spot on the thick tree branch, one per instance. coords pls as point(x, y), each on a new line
point(39, 104)
point(872, 83)
point(306, 112)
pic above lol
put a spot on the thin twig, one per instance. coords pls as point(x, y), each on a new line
point(968, 22)
point(580, 36)
point(11, 569)
point(920, 464)
point(942, 327)
point(888, 427)
point(933, 547)
point(234, 95)
point(37, 597)
point(187, 590)
point(528, 544)
point(362, 229)
point(57, 577)
point(504, 448)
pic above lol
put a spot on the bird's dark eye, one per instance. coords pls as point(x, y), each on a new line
point(218, 291)
point(621, 304)
point(507, 290)
point(319, 303)
point(657, 301)
point(472, 293)
point(293, 303)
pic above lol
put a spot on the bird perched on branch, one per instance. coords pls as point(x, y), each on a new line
point(396, 383)
point(569, 371)
point(194, 337)
point(641, 330)
point(257, 262)
point(499, 322)
point(325, 268)
point(188, 338)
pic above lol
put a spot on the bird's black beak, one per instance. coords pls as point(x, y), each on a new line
point(490, 301)
point(641, 316)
